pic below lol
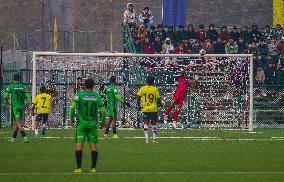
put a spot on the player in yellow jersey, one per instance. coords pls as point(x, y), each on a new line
point(42, 103)
point(150, 97)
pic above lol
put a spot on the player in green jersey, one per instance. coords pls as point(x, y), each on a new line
point(18, 94)
point(88, 103)
point(112, 96)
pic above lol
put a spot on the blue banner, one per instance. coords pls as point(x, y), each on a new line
point(174, 12)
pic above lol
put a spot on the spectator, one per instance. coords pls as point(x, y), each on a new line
point(171, 35)
point(167, 47)
point(148, 48)
point(252, 48)
point(187, 46)
point(161, 32)
point(280, 51)
point(254, 34)
point(242, 46)
point(219, 47)
point(142, 32)
point(272, 48)
point(201, 34)
point(244, 33)
point(235, 34)
point(224, 34)
point(130, 16)
point(133, 33)
point(157, 45)
point(180, 49)
point(208, 47)
point(280, 47)
point(231, 47)
point(262, 48)
point(270, 74)
point(196, 47)
point(138, 46)
point(262, 53)
point(268, 33)
point(191, 33)
point(260, 78)
point(180, 34)
point(146, 17)
point(212, 34)
point(279, 32)
point(151, 33)
point(260, 75)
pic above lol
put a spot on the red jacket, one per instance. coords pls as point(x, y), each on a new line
point(201, 35)
point(178, 50)
point(148, 48)
point(224, 36)
point(182, 86)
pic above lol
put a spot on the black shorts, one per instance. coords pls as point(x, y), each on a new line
point(150, 116)
point(42, 117)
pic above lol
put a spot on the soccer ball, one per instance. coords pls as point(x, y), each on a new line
point(202, 52)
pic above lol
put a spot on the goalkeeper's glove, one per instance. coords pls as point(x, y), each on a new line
point(126, 103)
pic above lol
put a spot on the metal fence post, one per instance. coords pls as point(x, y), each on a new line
point(65, 101)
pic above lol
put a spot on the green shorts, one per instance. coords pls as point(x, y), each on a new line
point(82, 132)
point(112, 111)
point(18, 113)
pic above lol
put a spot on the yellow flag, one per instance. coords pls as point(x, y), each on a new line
point(278, 12)
point(55, 35)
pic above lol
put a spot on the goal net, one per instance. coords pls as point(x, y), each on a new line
point(220, 96)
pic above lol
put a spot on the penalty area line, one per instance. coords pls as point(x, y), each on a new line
point(153, 173)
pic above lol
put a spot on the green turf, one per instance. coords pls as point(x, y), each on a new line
point(130, 159)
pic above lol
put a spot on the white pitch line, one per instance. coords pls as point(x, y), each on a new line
point(178, 137)
point(154, 173)
point(277, 137)
point(189, 138)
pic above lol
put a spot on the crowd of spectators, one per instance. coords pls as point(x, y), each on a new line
point(267, 45)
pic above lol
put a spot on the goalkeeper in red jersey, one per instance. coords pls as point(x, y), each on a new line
point(179, 96)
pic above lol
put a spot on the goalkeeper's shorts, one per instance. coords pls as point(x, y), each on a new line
point(83, 132)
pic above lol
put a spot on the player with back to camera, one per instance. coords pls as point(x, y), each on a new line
point(112, 96)
point(150, 97)
point(88, 103)
point(19, 95)
point(42, 103)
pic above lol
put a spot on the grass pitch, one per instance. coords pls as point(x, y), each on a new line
point(181, 155)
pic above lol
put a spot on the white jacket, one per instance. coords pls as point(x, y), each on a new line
point(143, 15)
point(129, 17)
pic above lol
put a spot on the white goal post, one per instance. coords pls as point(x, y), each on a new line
point(249, 58)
